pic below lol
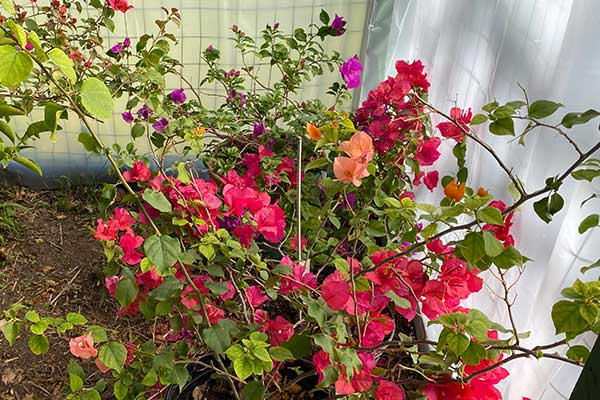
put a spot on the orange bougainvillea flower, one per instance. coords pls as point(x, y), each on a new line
point(313, 131)
point(199, 131)
point(349, 170)
point(359, 147)
point(481, 192)
point(101, 367)
point(83, 346)
point(454, 192)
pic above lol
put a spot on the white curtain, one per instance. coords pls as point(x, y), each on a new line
point(475, 51)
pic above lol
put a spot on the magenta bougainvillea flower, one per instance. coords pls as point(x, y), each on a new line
point(120, 5)
point(270, 221)
point(160, 125)
point(129, 242)
point(127, 116)
point(139, 172)
point(279, 330)
point(427, 151)
point(255, 296)
point(338, 24)
point(389, 391)
point(145, 112)
point(351, 70)
point(450, 130)
point(178, 96)
point(431, 179)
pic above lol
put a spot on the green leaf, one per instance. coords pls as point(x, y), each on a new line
point(157, 200)
point(474, 353)
point(254, 390)
point(76, 318)
point(578, 353)
point(479, 119)
point(7, 130)
point(376, 229)
point(138, 130)
point(126, 292)
point(90, 394)
point(490, 215)
point(502, 126)
point(457, 342)
point(492, 246)
point(96, 98)
point(315, 311)
point(150, 379)
point(73, 368)
point(98, 333)
point(555, 204)
point(8, 6)
point(39, 327)
point(279, 353)
point(162, 251)
point(318, 163)
point(586, 174)
point(567, 318)
point(180, 376)
point(120, 390)
point(11, 331)
point(75, 383)
point(571, 119)
point(218, 337)
point(324, 17)
point(113, 355)
point(589, 222)
point(32, 316)
point(589, 312)
point(15, 66)
point(235, 351)
point(38, 344)
point(508, 258)
point(397, 300)
point(299, 345)
point(541, 209)
point(88, 142)
point(543, 108)
point(18, 32)
point(64, 63)
point(243, 367)
point(472, 248)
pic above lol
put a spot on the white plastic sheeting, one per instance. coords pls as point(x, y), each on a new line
point(475, 51)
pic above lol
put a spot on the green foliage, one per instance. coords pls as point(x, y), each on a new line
point(96, 98)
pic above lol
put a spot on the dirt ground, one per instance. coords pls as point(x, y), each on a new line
point(50, 261)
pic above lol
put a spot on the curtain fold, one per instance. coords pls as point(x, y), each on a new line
point(475, 51)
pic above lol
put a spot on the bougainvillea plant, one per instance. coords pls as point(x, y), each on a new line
point(299, 246)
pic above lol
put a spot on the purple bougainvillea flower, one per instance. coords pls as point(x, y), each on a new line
point(117, 48)
point(178, 96)
point(145, 112)
point(338, 24)
point(160, 125)
point(258, 130)
point(351, 70)
point(126, 43)
point(127, 116)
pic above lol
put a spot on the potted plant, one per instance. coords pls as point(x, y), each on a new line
point(297, 266)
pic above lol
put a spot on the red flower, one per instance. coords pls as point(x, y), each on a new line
point(129, 242)
point(139, 172)
point(214, 313)
point(377, 329)
point(450, 130)
point(255, 296)
point(389, 391)
point(427, 152)
point(298, 280)
point(245, 234)
point(106, 231)
point(120, 5)
point(411, 75)
point(438, 247)
point(280, 330)
point(361, 380)
point(502, 233)
point(271, 223)
point(122, 219)
point(336, 291)
point(431, 180)
point(149, 280)
point(321, 361)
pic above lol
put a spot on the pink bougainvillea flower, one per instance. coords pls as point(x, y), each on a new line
point(431, 180)
point(351, 70)
point(321, 360)
point(270, 222)
point(214, 313)
point(101, 367)
point(300, 278)
point(131, 348)
point(120, 5)
point(111, 284)
point(255, 296)
point(502, 233)
point(450, 130)
point(139, 172)
point(189, 298)
point(377, 329)
point(439, 248)
point(122, 219)
point(245, 234)
point(427, 151)
point(149, 280)
point(129, 242)
point(106, 231)
point(294, 242)
point(349, 170)
point(228, 295)
point(361, 380)
point(389, 391)
point(83, 346)
point(279, 330)
point(336, 291)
